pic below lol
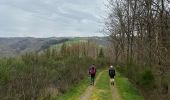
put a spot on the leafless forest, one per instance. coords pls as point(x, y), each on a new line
point(140, 32)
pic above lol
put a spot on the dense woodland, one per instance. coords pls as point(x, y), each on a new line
point(42, 76)
point(140, 33)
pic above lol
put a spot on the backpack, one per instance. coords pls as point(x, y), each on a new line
point(92, 70)
point(112, 72)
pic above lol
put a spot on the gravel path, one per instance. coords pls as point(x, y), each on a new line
point(86, 95)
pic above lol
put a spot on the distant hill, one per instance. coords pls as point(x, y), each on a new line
point(17, 46)
point(11, 47)
point(103, 41)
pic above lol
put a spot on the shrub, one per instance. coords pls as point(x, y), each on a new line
point(146, 79)
point(31, 75)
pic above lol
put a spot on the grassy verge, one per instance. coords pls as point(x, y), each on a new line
point(126, 89)
point(75, 91)
point(102, 88)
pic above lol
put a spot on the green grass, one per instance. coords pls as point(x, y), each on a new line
point(126, 90)
point(102, 88)
point(70, 42)
point(75, 91)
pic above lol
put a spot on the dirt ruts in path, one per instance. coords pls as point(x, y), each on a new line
point(86, 95)
point(114, 91)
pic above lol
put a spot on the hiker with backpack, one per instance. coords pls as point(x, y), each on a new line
point(112, 74)
point(92, 73)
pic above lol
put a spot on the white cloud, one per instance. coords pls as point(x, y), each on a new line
point(46, 18)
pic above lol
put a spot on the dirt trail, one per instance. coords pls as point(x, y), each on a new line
point(86, 95)
point(115, 94)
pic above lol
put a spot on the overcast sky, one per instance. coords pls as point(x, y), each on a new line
point(48, 18)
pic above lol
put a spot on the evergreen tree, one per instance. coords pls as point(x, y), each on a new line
point(64, 49)
point(101, 53)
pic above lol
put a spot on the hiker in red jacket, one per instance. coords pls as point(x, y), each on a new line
point(92, 73)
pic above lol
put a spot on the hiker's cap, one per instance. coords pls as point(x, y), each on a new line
point(111, 66)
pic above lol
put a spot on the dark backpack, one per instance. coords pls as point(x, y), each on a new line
point(111, 72)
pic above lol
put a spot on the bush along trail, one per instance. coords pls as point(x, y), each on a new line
point(126, 90)
point(102, 90)
point(74, 92)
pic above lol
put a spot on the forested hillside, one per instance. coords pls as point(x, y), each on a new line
point(12, 47)
point(41, 76)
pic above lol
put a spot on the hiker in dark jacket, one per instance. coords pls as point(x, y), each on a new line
point(92, 73)
point(112, 74)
